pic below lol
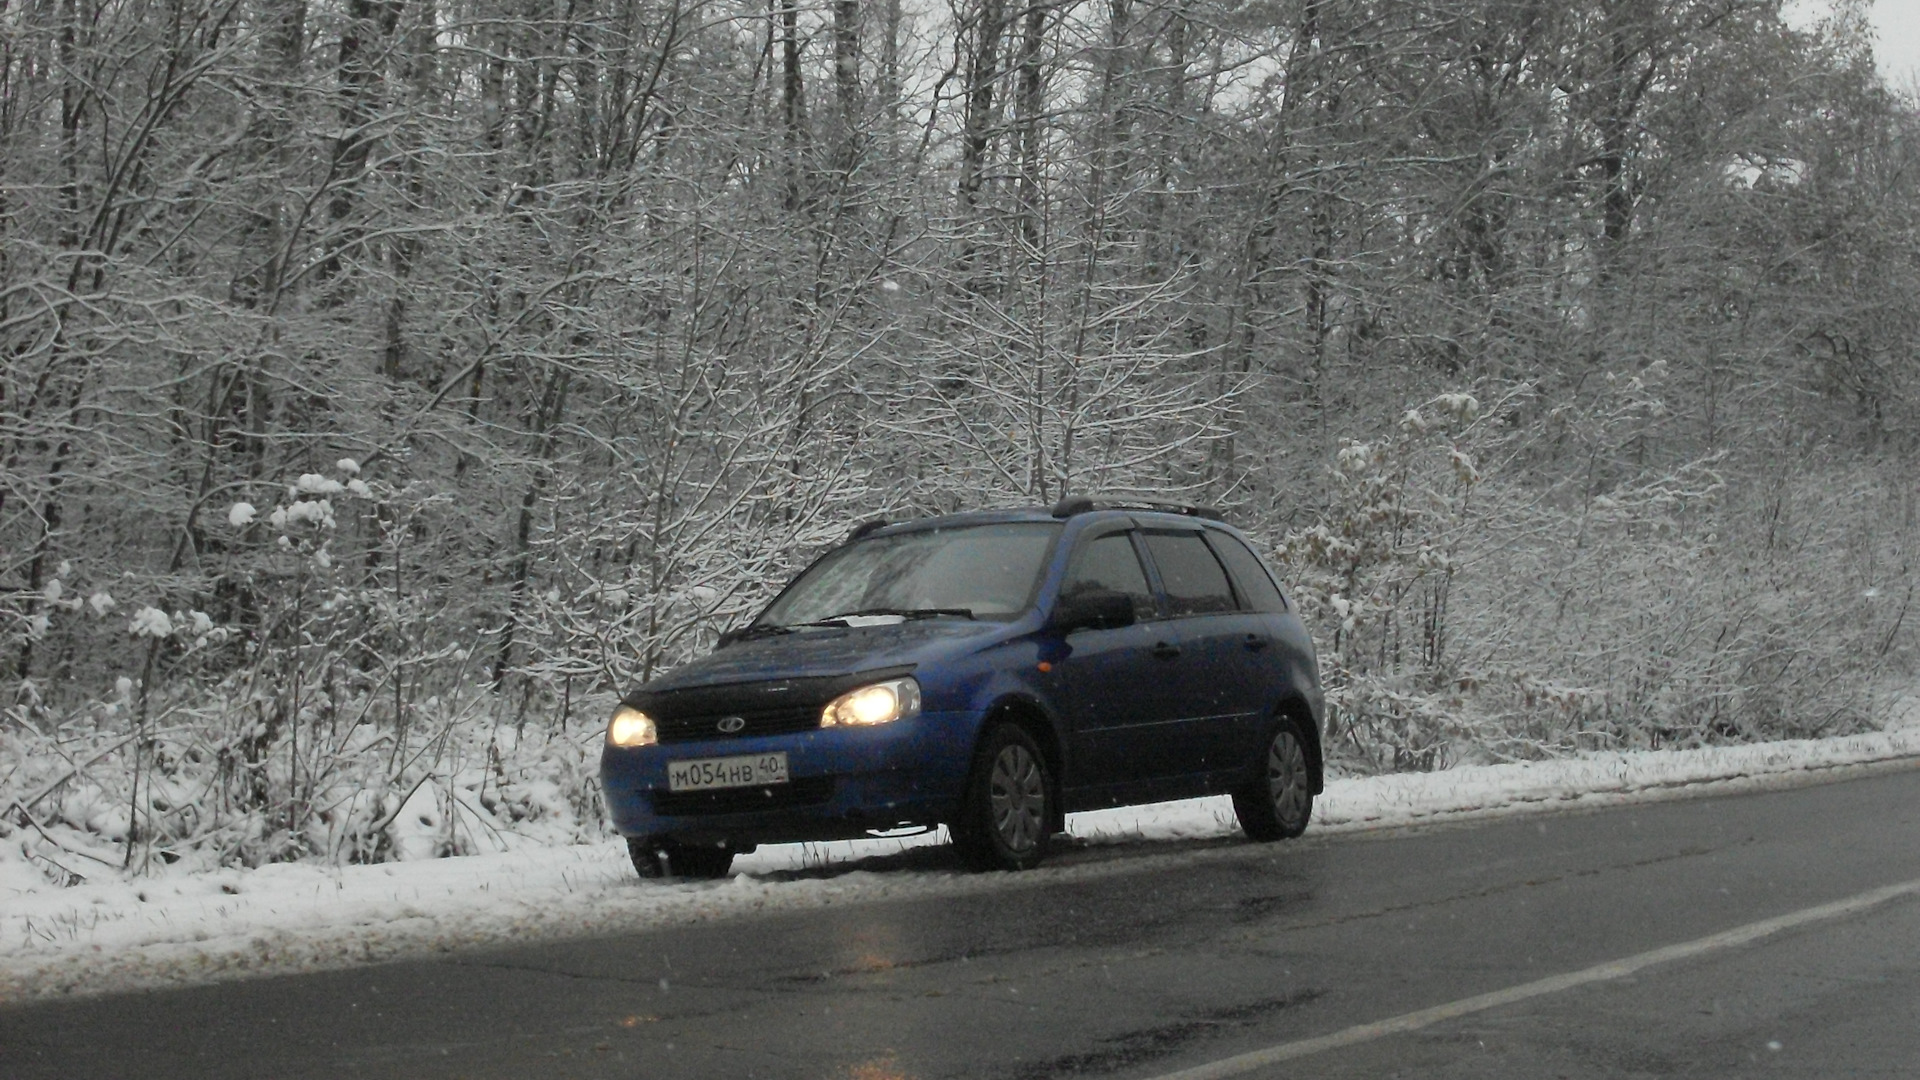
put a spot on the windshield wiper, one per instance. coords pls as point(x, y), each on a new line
point(748, 633)
point(760, 630)
point(905, 613)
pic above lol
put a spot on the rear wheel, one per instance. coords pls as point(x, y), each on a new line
point(1278, 803)
point(1006, 814)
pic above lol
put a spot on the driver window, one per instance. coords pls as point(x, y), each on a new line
point(1108, 564)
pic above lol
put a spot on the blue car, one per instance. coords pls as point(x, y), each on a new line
point(990, 672)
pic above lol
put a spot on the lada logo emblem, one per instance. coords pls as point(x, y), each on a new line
point(731, 725)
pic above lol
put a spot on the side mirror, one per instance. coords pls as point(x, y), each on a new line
point(1092, 611)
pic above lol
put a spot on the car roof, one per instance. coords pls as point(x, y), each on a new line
point(1037, 515)
point(971, 517)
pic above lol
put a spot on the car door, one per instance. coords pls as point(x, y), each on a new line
point(1116, 691)
point(1217, 687)
point(1262, 605)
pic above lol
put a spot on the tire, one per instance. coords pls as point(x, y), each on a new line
point(657, 858)
point(646, 856)
point(1007, 811)
point(1278, 803)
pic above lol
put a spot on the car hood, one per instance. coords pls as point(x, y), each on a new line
point(827, 651)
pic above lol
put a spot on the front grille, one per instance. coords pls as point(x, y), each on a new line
point(699, 726)
point(769, 707)
point(806, 792)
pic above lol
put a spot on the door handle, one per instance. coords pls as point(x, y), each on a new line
point(1254, 642)
point(1165, 650)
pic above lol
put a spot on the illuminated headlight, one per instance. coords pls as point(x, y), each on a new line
point(631, 727)
point(880, 703)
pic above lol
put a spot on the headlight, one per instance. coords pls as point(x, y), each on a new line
point(880, 703)
point(631, 727)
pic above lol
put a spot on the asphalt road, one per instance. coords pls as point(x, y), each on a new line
point(1185, 956)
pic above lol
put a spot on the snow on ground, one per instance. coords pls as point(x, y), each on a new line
point(168, 931)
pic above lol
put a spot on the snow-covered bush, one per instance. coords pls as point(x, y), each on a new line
point(1466, 610)
point(1375, 575)
point(205, 785)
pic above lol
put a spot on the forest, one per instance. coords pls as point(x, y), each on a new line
point(387, 384)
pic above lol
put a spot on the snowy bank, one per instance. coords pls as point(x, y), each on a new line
point(166, 931)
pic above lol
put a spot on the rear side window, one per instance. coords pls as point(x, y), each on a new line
point(1108, 564)
point(1193, 579)
point(1256, 585)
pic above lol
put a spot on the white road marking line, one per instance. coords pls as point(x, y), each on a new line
point(1613, 969)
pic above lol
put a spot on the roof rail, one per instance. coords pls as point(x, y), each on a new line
point(1081, 504)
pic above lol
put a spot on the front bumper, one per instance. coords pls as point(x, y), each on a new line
point(842, 783)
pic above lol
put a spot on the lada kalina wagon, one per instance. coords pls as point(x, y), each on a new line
point(987, 671)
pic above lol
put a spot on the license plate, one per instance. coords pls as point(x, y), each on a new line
point(752, 770)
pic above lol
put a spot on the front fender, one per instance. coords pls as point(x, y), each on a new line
point(1006, 677)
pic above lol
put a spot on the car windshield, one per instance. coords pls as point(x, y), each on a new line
point(978, 571)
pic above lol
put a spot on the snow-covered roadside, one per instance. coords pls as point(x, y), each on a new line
point(100, 937)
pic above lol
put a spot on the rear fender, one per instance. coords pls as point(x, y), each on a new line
point(1296, 711)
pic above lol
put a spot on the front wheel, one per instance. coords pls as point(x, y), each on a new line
point(1004, 815)
point(656, 858)
point(648, 860)
point(1279, 802)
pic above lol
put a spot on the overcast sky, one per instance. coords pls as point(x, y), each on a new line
point(1898, 49)
point(1897, 31)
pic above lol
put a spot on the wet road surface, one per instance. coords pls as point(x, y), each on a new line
point(1185, 956)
